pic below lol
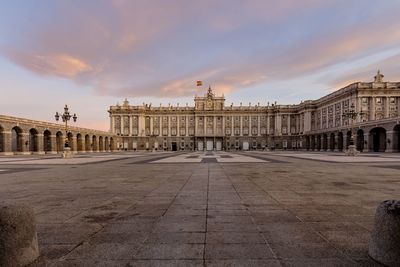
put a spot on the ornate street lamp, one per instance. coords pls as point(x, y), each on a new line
point(66, 116)
point(352, 115)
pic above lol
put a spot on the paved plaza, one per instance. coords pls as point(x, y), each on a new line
point(202, 208)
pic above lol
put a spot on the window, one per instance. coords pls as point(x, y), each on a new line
point(378, 100)
point(392, 100)
point(173, 131)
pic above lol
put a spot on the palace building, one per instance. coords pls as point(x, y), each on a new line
point(317, 125)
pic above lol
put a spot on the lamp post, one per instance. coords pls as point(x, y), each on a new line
point(352, 114)
point(66, 116)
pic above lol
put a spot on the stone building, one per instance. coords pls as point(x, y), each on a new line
point(24, 136)
point(312, 124)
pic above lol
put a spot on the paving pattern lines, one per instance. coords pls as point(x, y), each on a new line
point(210, 157)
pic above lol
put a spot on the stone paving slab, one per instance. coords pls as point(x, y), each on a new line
point(211, 157)
point(284, 211)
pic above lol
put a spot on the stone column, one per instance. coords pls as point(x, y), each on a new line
point(250, 132)
point(151, 125)
point(258, 126)
point(334, 116)
point(241, 126)
point(25, 144)
point(223, 125)
point(372, 109)
point(74, 147)
point(140, 126)
point(336, 144)
point(40, 144)
point(204, 127)
point(169, 126)
point(341, 112)
point(112, 124)
point(232, 126)
point(53, 139)
point(366, 142)
point(130, 125)
point(278, 125)
point(187, 125)
point(268, 124)
point(288, 125)
point(358, 108)
point(390, 135)
point(328, 142)
point(214, 127)
point(196, 126)
point(7, 143)
point(398, 106)
point(316, 143)
point(122, 126)
point(387, 103)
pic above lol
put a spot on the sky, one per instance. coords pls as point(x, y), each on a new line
point(94, 53)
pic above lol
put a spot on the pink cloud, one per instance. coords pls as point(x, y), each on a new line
point(123, 55)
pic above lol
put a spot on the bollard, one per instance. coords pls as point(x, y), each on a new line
point(384, 246)
point(18, 236)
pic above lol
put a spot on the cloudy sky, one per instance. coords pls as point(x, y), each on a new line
point(91, 54)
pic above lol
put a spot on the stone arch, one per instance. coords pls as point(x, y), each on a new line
point(79, 142)
point(101, 143)
point(332, 142)
point(348, 139)
point(340, 141)
point(70, 138)
point(2, 139)
point(360, 140)
point(378, 139)
point(60, 141)
point(47, 145)
point(94, 143)
point(16, 139)
point(396, 138)
point(87, 143)
point(33, 141)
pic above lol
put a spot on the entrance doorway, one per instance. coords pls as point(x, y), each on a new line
point(210, 145)
point(218, 145)
point(174, 146)
point(245, 145)
point(200, 146)
point(378, 136)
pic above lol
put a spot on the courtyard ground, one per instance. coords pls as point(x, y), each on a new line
point(202, 208)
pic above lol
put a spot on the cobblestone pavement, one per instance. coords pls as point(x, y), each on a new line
point(157, 209)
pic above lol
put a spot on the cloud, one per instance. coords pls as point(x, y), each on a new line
point(158, 48)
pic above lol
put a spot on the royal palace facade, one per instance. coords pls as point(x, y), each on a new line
point(318, 125)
